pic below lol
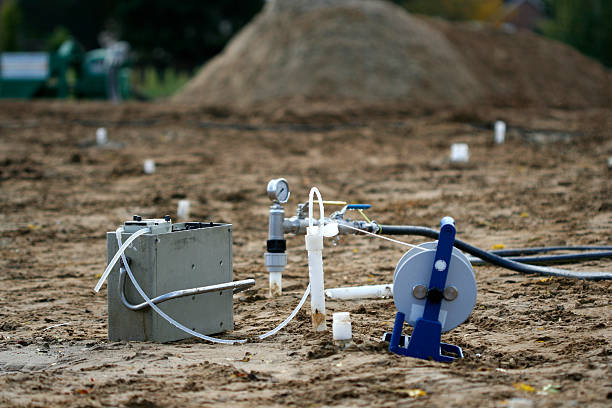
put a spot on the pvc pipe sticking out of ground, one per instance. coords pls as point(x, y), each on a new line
point(182, 211)
point(149, 166)
point(500, 132)
point(101, 136)
point(314, 246)
point(460, 153)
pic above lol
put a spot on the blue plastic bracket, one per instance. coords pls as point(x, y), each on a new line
point(425, 342)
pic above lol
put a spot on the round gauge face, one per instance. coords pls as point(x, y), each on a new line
point(282, 191)
point(278, 190)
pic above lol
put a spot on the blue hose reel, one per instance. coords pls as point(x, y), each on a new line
point(434, 290)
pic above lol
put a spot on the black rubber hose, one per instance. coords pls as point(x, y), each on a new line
point(493, 258)
point(548, 259)
point(539, 250)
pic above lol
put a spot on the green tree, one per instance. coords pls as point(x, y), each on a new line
point(585, 24)
point(57, 38)
point(10, 24)
point(182, 33)
point(44, 21)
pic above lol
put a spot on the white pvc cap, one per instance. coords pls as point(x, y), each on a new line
point(149, 166)
point(101, 136)
point(183, 209)
point(460, 152)
point(500, 131)
point(342, 326)
point(610, 162)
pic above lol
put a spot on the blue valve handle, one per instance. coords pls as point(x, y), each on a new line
point(358, 206)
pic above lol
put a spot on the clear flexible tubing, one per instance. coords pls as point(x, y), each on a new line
point(119, 253)
point(290, 317)
point(314, 191)
point(178, 325)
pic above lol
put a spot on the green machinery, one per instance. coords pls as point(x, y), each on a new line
point(98, 74)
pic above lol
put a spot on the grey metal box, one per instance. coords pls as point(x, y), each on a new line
point(181, 259)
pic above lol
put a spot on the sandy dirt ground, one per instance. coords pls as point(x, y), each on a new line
point(530, 341)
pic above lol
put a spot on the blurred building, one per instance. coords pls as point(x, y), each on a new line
point(525, 14)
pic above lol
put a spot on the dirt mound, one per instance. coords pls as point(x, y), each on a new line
point(519, 68)
point(358, 53)
point(369, 52)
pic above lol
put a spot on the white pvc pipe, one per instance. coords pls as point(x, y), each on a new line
point(360, 292)
point(314, 246)
point(182, 211)
point(101, 136)
point(500, 131)
point(460, 153)
point(149, 166)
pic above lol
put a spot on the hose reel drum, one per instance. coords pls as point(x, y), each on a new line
point(411, 281)
point(434, 289)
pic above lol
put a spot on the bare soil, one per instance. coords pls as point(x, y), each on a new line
point(530, 341)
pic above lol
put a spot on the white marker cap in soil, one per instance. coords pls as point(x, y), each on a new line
point(500, 131)
point(101, 136)
point(342, 326)
point(183, 209)
point(149, 166)
point(610, 162)
point(460, 153)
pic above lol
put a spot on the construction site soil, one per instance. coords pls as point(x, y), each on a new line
point(530, 340)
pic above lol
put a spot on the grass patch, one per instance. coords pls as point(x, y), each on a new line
point(149, 83)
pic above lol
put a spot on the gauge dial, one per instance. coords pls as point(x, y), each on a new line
point(278, 190)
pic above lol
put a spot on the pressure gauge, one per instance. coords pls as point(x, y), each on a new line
point(278, 190)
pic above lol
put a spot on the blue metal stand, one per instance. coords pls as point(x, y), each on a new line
point(425, 340)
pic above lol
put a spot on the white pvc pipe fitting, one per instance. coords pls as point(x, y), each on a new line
point(149, 166)
point(341, 328)
point(183, 209)
point(314, 246)
point(101, 136)
point(276, 283)
point(500, 131)
point(460, 153)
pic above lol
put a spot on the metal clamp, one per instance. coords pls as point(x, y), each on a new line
point(237, 286)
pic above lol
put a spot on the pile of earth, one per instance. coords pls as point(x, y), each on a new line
point(373, 54)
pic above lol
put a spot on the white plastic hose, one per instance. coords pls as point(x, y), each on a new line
point(119, 253)
point(291, 316)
